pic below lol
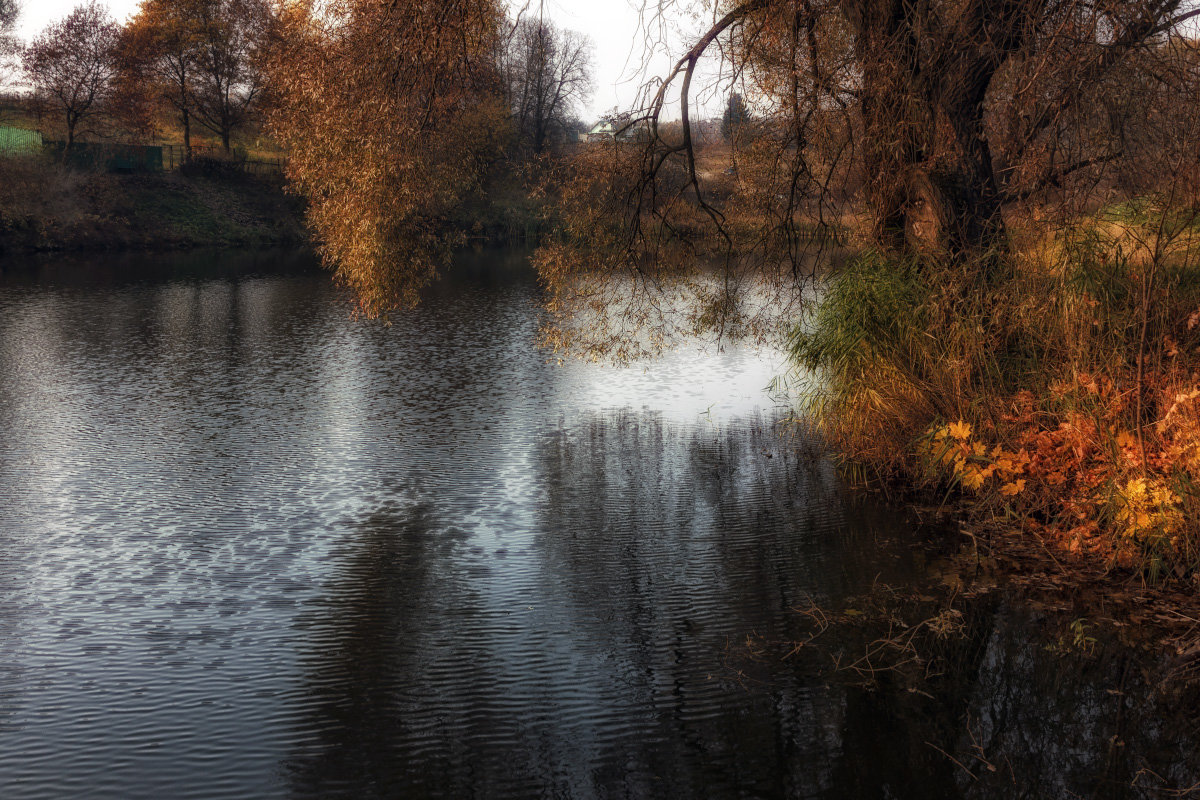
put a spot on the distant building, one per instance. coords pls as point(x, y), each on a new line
point(601, 131)
point(622, 128)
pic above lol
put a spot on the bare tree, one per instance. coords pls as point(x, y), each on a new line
point(547, 71)
point(10, 10)
point(72, 63)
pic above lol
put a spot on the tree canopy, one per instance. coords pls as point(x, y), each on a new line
point(922, 126)
point(390, 113)
point(202, 58)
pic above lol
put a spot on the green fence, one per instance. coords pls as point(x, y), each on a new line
point(14, 141)
point(128, 158)
point(108, 157)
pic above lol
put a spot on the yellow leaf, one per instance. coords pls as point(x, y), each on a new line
point(972, 479)
point(960, 430)
point(1014, 488)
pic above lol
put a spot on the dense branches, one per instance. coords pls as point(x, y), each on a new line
point(546, 74)
point(199, 57)
point(10, 10)
point(72, 63)
point(930, 119)
point(390, 113)
point(160, 49)
point(228, 70)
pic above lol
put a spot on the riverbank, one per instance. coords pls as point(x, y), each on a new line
point(1051, 392)
point(45, 207)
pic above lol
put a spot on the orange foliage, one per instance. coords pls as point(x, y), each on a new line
point(1078, 472)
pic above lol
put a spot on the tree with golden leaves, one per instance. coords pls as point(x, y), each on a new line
point(390, 113)
point(201, 58)
point(160, 55)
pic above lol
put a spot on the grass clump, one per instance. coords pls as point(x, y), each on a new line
point(1055, 388)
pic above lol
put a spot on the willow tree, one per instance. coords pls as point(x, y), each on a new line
point(930, 120)
point(390, 113)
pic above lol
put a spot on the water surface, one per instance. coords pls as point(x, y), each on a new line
point(253, 547)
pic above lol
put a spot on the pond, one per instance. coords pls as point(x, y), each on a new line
point(251, 546)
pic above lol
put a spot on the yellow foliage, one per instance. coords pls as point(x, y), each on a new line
point(1148, 507)
point(971, 462)
point(960, 430)
point(1014, 488)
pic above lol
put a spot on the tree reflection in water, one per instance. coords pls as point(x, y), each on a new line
point(606, 654)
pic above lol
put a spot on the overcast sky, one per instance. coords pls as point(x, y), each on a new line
point(612, 26)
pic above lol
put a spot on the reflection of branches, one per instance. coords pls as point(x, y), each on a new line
point(1189, 791)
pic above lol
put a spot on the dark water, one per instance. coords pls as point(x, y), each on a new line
point(250, 547)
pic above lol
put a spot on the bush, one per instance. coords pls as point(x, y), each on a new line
point(1061, 395)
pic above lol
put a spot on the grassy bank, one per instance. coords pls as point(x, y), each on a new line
point(1052, 391)
point(47, 207)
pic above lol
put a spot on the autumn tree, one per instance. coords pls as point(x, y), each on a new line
point(72, 63)
point(228, 74)
point(200, 58)
point(932, 119)
point(547, 73)
point(161, 50)
point(391, 112)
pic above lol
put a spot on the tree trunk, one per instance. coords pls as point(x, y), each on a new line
point(929, 179)
point(893, 128)
point(962, 196)
point(187, 135)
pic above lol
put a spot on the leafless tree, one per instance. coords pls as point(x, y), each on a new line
point(72, 63)
point(228, 76)
point(10, 10)
point(547, 72)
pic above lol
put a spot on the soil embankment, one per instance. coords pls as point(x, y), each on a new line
point(47, 207)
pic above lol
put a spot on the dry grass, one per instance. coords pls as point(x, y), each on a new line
point(1062, 398)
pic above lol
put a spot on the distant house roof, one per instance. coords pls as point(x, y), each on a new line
point(603, 129)
point(623, 128)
